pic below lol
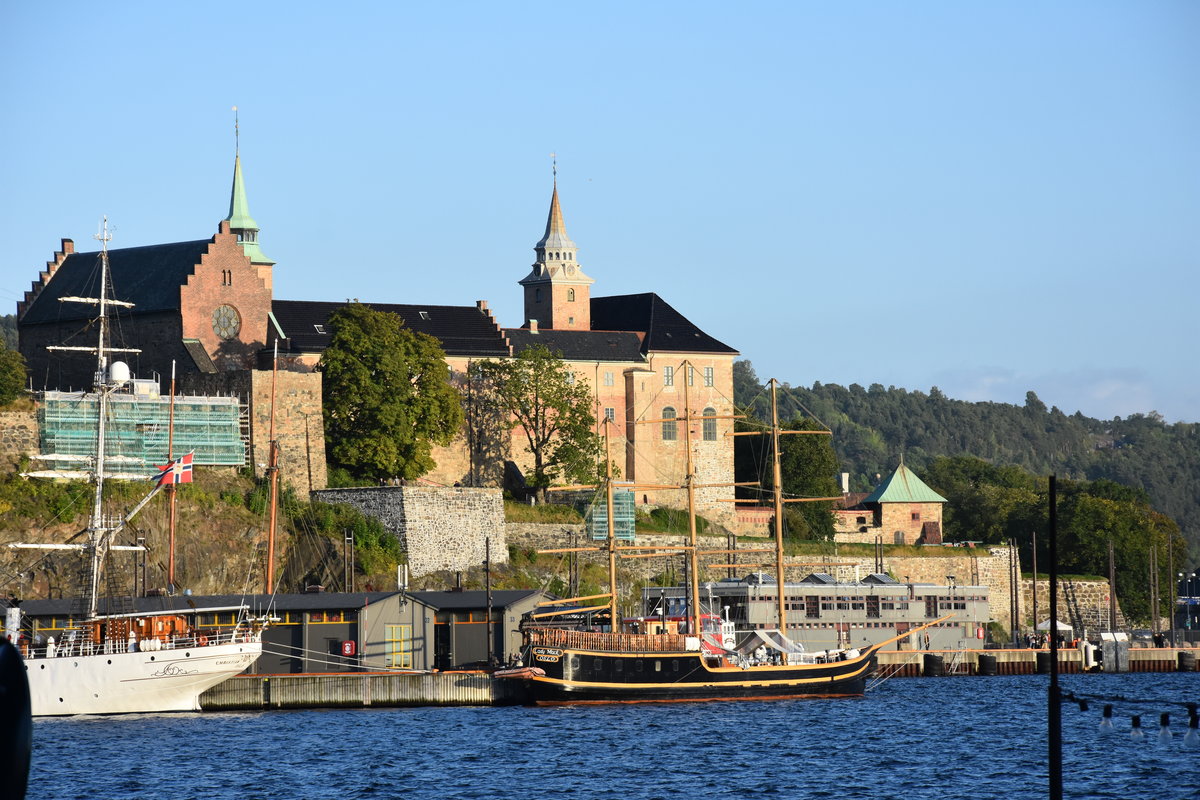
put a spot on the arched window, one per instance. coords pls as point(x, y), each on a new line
point(670, 429)
point(570, 295)
point(537, 295)
point(710, 425)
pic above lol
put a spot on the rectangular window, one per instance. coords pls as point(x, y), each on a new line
point(399, 646)
point(610, 414)
point(668, 376)
point(916, 516)
point(608, 379)
point(708, 376)
point(691, 376)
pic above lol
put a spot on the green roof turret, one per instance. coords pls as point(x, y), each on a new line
point(240, 221)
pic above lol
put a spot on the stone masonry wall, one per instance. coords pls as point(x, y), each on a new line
point(1081, 604)
point(440, 528)
point(18, 435)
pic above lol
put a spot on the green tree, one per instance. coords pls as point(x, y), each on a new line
point(388, 397)
point(12, 375)
point(554, 410)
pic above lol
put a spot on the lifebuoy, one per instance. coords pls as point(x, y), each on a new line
point(202, 641)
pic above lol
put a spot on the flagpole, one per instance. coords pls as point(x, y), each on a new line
point(171, 489)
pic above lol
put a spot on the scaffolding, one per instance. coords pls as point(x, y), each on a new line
point(623, 516)
point(138, 426)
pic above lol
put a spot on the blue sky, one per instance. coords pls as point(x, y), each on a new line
point(988, 198)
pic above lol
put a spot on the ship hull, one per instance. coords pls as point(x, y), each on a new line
point(580, 676)
point(128, 683)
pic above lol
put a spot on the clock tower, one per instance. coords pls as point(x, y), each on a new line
point(557, 292)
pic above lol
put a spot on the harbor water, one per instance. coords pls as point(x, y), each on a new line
point(915, 738)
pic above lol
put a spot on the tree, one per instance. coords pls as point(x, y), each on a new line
point(12, 375)
point(554, 410)
point(388, 397)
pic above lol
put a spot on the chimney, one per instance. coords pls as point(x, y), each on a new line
point(481, 305)
point(845, 483)
point(533, 326)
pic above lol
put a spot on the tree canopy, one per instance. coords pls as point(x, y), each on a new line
point(873, 426)
point(12, 375)
point(387, 395)
point(553, 409)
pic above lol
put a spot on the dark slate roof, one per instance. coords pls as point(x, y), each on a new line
point(665, 328)
point(447, 601)
point(149, 277)
point(581, 345)
point(820, 577)
point(462, 330)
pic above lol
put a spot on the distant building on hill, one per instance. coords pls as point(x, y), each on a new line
point(901, 510)
point(208, 308)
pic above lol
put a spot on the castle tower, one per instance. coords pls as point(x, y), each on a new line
point(557, 293)
point(243, 225)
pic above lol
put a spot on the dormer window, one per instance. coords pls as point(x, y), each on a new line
point(424, 314)
point(319, 328)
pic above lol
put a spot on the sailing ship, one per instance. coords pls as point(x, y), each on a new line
point(694, 658)
point(137, 661)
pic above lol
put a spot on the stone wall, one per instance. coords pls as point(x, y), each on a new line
point(1080, 604)
point(440, 528)
point(18, 435)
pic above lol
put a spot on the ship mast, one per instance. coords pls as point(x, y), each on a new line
point(99, 535)
point(690, 483)
point(776, 474)
point(614, 625)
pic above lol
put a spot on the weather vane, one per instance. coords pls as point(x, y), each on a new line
point(554, 165)
point(236, 136)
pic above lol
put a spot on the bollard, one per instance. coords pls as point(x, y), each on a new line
point(1187, 662)
point(1043, 662)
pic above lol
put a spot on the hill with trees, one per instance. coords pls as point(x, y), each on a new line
point(872, 427)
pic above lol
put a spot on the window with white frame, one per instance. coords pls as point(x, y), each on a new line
point(668, 376)
point(608, 379)
point(708, 376)
point(670, 429)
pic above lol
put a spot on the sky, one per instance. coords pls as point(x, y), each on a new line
point(990, 198)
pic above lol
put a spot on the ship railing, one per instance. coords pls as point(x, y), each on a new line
point(608, 642)
point(77, 642)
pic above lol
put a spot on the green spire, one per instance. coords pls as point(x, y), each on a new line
point(240, 221)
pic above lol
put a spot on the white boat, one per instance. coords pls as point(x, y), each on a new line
point(138, 662)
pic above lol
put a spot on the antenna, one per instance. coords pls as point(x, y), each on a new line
point(236, 134)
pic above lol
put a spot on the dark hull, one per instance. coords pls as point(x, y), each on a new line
point(580, 676)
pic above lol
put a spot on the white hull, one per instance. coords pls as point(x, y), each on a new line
point(139, 682)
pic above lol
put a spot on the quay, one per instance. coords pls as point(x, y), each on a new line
point(479, 688)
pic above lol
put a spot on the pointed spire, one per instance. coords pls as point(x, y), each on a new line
point(240, 221)
point(555, 237)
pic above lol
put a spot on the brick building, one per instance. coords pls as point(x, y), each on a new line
point(209, 306)
point(902, 509)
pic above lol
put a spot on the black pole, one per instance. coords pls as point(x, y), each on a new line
point(1014, 573)
point(487, 576)
point(1054, 699)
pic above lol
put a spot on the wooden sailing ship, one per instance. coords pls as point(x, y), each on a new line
point(695, 659)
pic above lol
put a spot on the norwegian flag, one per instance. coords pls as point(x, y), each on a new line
point(178, 471)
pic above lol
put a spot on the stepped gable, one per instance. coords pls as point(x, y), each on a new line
point(461, 330)
point(665, 329)
point(580, 345)
point(150, 276)
point(902, 486)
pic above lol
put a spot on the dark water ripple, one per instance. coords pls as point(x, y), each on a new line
point(916, 739)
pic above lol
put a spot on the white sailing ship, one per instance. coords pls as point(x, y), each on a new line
point(140, 661)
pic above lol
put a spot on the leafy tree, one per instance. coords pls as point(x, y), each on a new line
point(12, 375)
point(554, 410)
point(8, 330)
point(388, 398)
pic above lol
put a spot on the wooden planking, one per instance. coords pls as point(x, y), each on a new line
point(353, 690)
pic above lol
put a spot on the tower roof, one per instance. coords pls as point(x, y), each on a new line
point(903, 486)
point(239, 218)
point(556, 237)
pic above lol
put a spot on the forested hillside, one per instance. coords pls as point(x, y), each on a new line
point(873, 426)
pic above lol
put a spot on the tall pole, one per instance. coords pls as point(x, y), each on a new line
point(273, 470)
point(1014, 574)
point(777, 476)
point(694, 576)
point(1054, 698)
point(1035, 583)
point(487, 576)
point(612, 534)
point(1174, 587)
point(171, 505)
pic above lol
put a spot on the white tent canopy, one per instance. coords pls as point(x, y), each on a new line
point(1062, 626)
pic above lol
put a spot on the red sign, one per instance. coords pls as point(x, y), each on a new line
point(349, 647)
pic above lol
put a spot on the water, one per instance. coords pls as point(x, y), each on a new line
point(910, 738)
